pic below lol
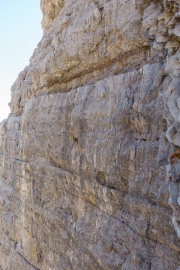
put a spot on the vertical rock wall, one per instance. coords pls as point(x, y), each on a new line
point(91, 117)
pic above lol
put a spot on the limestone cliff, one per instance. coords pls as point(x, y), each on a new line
point(92, 135)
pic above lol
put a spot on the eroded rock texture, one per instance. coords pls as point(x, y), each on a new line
point(80, 185)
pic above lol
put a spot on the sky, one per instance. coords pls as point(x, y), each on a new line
point(20, 32)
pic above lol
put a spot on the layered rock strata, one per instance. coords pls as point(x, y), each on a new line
point(81, 187)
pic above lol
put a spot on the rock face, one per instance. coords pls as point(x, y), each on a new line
point(91, 117)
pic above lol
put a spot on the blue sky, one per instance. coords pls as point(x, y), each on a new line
point(20, 31)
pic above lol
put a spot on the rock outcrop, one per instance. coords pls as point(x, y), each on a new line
point(94, 121)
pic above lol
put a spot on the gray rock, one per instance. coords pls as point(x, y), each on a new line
point(80, 185)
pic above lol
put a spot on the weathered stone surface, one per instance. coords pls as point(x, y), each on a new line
point(81, 187)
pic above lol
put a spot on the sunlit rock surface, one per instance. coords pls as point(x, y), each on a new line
point(94, 121)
